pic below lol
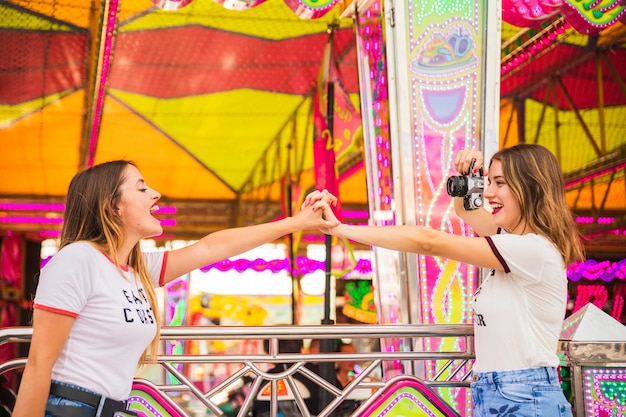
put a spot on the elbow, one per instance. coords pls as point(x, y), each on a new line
point(427, 249)
point(425, 244)
point(41, 362)
point(38, 370)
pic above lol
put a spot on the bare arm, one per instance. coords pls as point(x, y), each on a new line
point(424, 241)
point(230, 242)
point(414, 239)
point(480, 219)
point(50, 332)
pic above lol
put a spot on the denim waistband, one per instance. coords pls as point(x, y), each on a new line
point(72, 386)
point(529, 375)
point(97, 405)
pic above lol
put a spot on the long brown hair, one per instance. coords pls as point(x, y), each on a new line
point(536, 179)
point(89, 217)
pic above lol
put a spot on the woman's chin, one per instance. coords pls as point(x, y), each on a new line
point(157, 232)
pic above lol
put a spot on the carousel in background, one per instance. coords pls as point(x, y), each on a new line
point(219, 105)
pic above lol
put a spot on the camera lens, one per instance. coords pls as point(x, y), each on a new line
point(457, 186)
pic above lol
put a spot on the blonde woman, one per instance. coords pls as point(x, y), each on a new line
point(525, 243)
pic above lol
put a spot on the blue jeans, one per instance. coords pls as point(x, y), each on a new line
point(56, 400)
point(530, 392)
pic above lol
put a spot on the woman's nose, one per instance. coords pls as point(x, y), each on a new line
point(488, 191)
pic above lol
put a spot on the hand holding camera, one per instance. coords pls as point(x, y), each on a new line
point(469, 186)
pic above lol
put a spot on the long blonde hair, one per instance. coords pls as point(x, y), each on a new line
point(536, 179)
point(89, 217)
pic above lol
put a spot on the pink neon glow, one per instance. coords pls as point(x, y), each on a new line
point(541, 44)
point(61, 207)
point(30, 220)
point(596, 294)
point(57, 220)
point(595, 175)
point(166, 210)
point(372, 41)
point(31, 207)
point(607, 271)
point(613, 232)
point(313, 238)
point(353, 214)
point(164, 402)
point(592, 220)
point(592, 270)
point(602, 393)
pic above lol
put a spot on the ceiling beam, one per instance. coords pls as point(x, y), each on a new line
point(102, 23)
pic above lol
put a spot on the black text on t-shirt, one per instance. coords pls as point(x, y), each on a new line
point(139, 300)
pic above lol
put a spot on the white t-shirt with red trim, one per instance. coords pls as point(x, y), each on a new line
point(114, 321)
point(519, 311)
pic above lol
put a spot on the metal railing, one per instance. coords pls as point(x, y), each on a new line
point(453, 367)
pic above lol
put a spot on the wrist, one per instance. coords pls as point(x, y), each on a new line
point(336, 229)
point(292, 224)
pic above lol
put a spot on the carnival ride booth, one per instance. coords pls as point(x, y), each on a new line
point(593, 345)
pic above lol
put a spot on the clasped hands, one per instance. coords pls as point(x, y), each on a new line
point(323, 200)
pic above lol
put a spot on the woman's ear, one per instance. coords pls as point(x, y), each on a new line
point(115, 210)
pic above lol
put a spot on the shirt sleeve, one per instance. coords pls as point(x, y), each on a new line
point(156, 263)
point(66, 282)
point(524, 255)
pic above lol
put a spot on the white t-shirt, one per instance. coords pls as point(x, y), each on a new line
point(518, 312)
point(114, 322)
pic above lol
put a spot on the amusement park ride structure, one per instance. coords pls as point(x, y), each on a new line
point(578, 87)
point(212, 110)
point(559, 88)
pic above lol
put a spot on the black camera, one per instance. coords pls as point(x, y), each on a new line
point(469, 186)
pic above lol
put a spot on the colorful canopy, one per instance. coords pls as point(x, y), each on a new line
point(206, 100)
point(214, 104)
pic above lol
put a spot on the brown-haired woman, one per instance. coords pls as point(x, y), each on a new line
point(525, 242)
point(95, 310)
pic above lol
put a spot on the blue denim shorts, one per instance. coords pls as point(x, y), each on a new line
point(56, 400)
point(530, 392)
